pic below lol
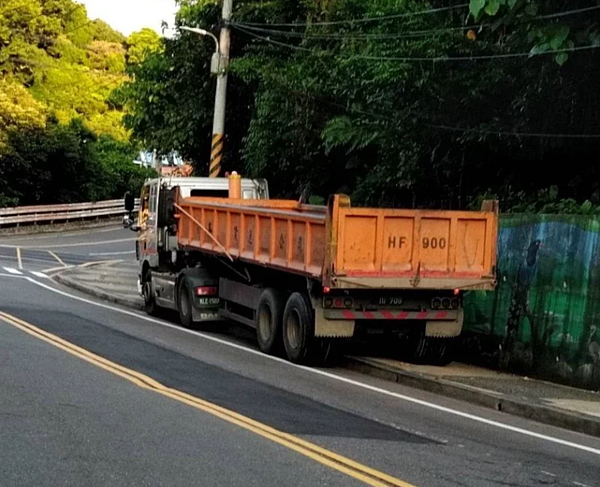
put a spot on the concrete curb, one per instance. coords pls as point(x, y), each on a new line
point(72, 283)
point(581, 423)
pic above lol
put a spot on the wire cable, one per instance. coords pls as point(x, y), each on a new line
point(513, 134)
point(408, 14)
point(406, 35)
point(568, 12)
point(364, 20)
point(428, 59)
point(440, 127)
point(478, 57)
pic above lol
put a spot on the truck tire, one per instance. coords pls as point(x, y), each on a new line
point(184, 304)
point(441, 350)
point(433, 351)
point(298, 332)
point(269, 318)
point(298, 329)
point(149, 302)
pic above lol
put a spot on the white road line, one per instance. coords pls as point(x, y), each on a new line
point(113, 253)
point(11, 275)
point(361, 385)
point(12, 271)
point(85, 244)
point(52, 269)
point(58, 259)
point(19, 260)
point(40, 274)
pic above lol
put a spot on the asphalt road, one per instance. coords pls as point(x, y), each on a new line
point(97, 395)
point(45, 253)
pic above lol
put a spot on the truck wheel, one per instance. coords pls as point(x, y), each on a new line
point(149, 302)
point(299, 330)
point(432, 350)
point(184, 304)
point(440, 350)
point(269, 317)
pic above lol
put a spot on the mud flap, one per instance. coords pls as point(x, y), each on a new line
point(445, 329)
point(325, 328)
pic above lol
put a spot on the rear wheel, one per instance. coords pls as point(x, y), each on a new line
point(433, 350)
point(184, 304)
point(269, 317)
point(149, 302)
point(298, 331)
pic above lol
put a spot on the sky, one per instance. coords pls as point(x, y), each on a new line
point(128, 16)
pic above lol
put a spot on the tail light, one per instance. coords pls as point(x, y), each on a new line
point(206, 291)
point(338, 303)
point(445, 303)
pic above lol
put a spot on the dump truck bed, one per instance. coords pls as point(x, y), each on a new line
point(345, 247)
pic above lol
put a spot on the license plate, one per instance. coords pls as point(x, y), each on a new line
point(209, 316)
point(389, 301)
point(208, 301)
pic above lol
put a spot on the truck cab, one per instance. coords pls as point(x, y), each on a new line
point(161, 261)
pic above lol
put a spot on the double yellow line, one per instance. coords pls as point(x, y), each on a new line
point(337, 462)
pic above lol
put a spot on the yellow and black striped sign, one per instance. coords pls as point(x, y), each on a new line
point(216, 156)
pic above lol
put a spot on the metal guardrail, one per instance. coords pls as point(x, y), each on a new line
point(48, 214)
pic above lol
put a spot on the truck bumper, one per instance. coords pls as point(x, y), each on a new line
point(391, 314)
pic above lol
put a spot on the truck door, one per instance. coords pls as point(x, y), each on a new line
point(147, 240)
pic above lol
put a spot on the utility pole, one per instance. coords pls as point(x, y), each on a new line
point(216, 153)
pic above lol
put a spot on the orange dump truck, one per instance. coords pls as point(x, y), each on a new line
point(307, 276)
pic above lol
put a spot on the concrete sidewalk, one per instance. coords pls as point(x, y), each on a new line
point(114, 281)
point(546, 402)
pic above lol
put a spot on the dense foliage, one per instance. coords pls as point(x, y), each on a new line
point(321, 100)
point(61, 136)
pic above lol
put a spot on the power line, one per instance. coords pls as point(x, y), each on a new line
point(568, 12)
point(428, 59)
point(441, 127)
point(364, 20)
point(406, 35)
point(514, 134)
point(478, 58)
point(407, 14)
point(277, 43)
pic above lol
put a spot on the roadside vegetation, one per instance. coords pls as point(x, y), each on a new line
point(382, 99)
point(61, 136)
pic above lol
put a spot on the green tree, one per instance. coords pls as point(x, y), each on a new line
point(142, 43)
point(18, 110)
point(393, 110)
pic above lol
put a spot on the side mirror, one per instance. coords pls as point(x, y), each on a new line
point(129, 202)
